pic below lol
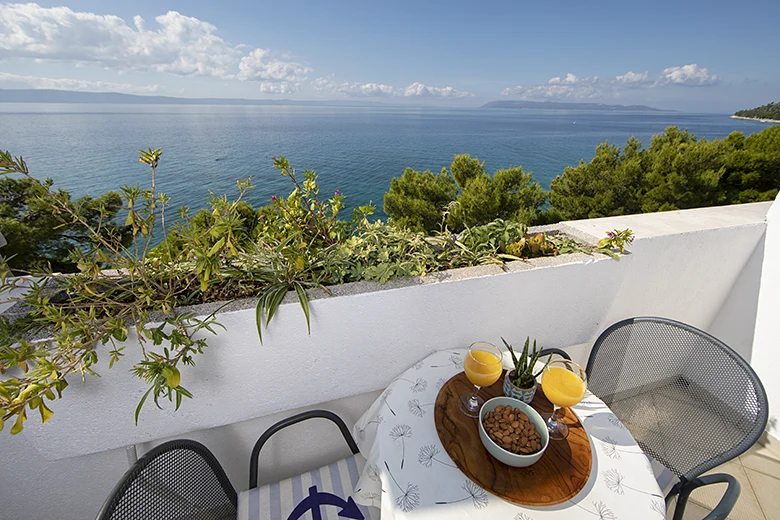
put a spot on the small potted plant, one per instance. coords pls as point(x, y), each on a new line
point(520, 383)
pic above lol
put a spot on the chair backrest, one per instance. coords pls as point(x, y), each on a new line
point(289, 421)
point(688, 399)
point(179, 479)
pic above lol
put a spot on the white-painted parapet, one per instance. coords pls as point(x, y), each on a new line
point(702, 266)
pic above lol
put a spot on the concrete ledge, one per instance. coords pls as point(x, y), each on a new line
point(649, 225)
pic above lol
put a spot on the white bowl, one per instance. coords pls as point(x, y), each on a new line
point(507, 457)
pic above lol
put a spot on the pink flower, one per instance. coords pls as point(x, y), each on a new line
point(336, 192)
point(273, 198)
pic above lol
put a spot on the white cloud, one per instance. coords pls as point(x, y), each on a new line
point(260, 65)
point(417, 89)
point(576, 87)
point(345, 88)
point(571, 79)
point(180, 44)
point(75, 84)
point(569, 87)
point(689, 76)
point(635, 79)
point(268, 87)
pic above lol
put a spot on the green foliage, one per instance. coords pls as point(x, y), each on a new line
point(465, 169)
point(464, 197)
point(677, 171)
point(523, 375)
point(617, 239)
point(532, 246)
point(36, 238)
point(126, 289)
point(768, 111)
point(417, 200)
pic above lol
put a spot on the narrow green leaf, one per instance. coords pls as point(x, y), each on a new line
point(259, 317)
point(141, 404)
point(216, 247)
point(274, 301)
point(302, 298)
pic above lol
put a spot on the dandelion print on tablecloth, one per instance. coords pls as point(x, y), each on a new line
point(479, 497)
point(659, 506)
point(455, 359)
point(428, 454)
point(373, 497)
point(384, 397)
point(440, 383)
point(612, 418)
point(523, 516)
point(418, 365)
point(401, 431)
point(415, 408)
point(614, 482)
point(417, 386)
point(362, 431)
point(373, 472)
point(600, 510)
point(610, 449)
point(410, 496)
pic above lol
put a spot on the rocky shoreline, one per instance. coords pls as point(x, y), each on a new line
point(763, 120)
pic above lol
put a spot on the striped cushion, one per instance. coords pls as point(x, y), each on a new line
point(277, 501)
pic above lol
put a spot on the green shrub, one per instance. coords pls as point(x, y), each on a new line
point(462, 197)
point(677, 171)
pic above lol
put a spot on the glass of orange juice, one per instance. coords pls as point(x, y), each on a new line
point(564, 384)
point(483, 366)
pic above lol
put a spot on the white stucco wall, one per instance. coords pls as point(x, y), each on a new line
point(360, 342)
point(766, 343)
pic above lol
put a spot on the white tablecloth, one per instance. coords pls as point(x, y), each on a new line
point(409, 475)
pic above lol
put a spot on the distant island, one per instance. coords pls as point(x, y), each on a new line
point(769, 113)
point(557, 105)
point(70, 96)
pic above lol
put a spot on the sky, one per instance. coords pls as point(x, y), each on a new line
point(698, 56)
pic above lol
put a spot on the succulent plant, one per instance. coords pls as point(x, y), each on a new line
point(523, 375)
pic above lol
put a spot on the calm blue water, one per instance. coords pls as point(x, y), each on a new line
point(93, 148)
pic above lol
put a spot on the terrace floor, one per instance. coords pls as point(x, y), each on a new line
point(758, 471)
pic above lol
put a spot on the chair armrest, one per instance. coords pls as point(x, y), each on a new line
point(562, 353)
point(726, 503)
point(284, 423)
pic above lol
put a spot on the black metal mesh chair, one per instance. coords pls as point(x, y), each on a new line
point(179, 480)
point(689, 400)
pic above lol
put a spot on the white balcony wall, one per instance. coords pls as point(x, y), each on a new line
point(766, 344)
point(687, 265)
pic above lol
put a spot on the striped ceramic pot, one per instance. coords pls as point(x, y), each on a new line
point(510, 390)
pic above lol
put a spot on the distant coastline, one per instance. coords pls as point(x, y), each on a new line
point(761, 119)
point(98, 98)
point(558, 105)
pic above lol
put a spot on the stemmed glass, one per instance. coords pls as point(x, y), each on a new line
point(483, 366)
point(564, 384)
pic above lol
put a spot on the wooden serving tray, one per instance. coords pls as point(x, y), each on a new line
point(558, 476)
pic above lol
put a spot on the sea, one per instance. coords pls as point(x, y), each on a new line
point(356, 150)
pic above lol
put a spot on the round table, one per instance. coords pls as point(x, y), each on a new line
point(409, 475)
